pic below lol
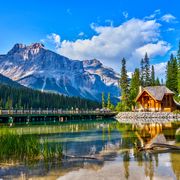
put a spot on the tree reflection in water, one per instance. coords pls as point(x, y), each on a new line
point(108, 139)
point(133, 135)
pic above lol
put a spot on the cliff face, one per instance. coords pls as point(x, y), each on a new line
point(39, 68)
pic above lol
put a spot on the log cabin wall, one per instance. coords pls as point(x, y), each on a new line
point(148, 103)
point(167, 103)
point(156, 98)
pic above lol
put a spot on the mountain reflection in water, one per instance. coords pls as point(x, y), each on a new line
point(113, 146)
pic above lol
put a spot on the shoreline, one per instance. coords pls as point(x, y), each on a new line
point(147, 117)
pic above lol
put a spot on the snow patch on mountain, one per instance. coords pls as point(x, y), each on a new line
point(39, 68)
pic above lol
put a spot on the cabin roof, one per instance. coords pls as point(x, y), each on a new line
point(157, 92)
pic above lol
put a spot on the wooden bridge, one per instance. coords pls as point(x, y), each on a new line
point(54, 115)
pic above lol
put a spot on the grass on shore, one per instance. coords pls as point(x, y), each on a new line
point(14, 146)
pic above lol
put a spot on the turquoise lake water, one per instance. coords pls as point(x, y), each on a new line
point(104, 149)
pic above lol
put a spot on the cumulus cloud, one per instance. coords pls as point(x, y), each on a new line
point(168, 18)
point(160, 70)
point(81, 34)
point(54, 38)
point(154, 15)
point(110, 44)
point(153, 49)
point(125, 14)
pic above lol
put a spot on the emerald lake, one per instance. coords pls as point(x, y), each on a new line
point(102, 149)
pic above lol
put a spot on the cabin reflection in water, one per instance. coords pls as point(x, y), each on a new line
point(150, 160)
point(113, 144)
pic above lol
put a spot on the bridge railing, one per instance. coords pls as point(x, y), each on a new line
point(50, 111)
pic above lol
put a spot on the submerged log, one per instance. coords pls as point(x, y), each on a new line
point(158, 142)
point(83, 157)
point(155, 145)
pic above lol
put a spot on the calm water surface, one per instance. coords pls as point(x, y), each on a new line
point(103, 149)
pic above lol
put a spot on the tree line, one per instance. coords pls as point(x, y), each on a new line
point(145, 76)
point(107, 103)
point(19, 98)
point(173, 73)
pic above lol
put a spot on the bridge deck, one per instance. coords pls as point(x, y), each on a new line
point(19, 116)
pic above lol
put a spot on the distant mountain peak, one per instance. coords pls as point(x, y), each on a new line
point(16, 48)
point(39, 68)
point(37, 45)
point(20, 47)
point(92, 62)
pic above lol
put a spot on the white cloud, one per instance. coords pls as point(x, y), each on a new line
point(154, 15)
point(130, 74)
point(54, 38)
point(81, 34)
point(110, 44)
point(168, 18)
point(153, 49)
point(125, 14)
point(160, 70)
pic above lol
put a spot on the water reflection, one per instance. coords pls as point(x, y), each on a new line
point(110, 142)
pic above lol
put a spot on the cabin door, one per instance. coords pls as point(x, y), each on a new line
point(146, 103)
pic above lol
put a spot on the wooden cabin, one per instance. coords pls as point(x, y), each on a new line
point(156, 98)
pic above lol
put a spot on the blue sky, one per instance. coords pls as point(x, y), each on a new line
point(107, 30)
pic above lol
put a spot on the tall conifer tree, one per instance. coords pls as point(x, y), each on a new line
point(178, 65)
point(142, 72)
point(134, 86)
point(147, 71)
point(157, 82)
point(172, 74)
point(124, 84)
point(103, 100)
point(152, 76)
point(109, 101)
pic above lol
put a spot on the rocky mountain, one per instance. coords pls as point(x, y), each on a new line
point(5, 80)
point(39, 68)
point(108, 75)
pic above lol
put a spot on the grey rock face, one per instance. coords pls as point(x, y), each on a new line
point(36, 67)
point(6, 81)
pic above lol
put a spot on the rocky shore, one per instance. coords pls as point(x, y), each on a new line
point(147, 117)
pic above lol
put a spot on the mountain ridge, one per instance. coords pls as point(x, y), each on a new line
point(39, 68)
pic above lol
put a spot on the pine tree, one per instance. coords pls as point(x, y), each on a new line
point(109, 101)
point(24, 97)
point(8, 104)
point(152, 76)
point(103, 101)
point(168, 74)
point(162, 81)
point(172, 74)
point(142, 72)
point(1, 103)
point(175, 75)
point(178, 65)
point(157, 82)
point(147, 71)
point(134, 86)
point(124, 84)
